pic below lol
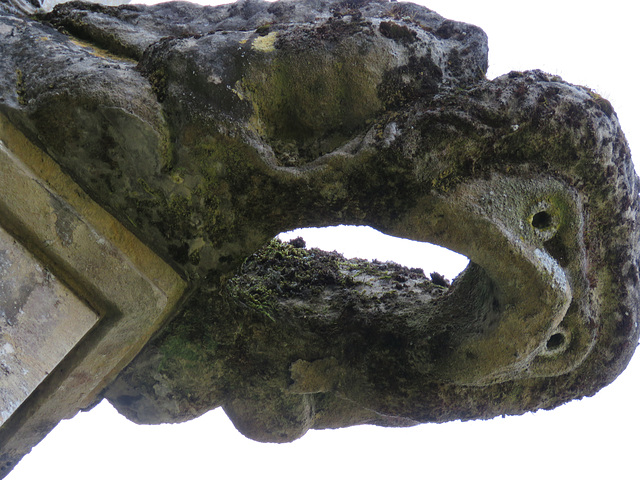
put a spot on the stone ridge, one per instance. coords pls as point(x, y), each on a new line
point(84, 296)
point(137, 27)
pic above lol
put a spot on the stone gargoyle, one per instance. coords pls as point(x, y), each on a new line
point(206, 131)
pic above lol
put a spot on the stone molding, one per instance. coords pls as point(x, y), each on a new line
point(114, 293)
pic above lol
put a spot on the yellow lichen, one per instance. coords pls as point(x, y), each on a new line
point(99, 52)
point(266, 43)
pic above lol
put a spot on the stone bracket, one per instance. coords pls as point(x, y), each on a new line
point(79, 296)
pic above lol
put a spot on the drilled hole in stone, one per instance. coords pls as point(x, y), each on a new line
point(542, 220)
point(555, 341)
point(367, 243)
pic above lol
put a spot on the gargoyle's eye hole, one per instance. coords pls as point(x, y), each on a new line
point(555, 341)
point(542, 220)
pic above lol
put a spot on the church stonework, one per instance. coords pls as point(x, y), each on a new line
point(150, 154)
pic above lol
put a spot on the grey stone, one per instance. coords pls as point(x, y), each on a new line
point(206, 131)
point(48, 5)
point(36, 307)
point(31, 6)
point(79, 296)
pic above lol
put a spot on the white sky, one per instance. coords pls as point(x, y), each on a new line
point(589, 43)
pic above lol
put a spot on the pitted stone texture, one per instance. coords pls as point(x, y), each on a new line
point(207, 131)
point(460, 49)
point(48, 5)
point(234, 78)
point(31, 6)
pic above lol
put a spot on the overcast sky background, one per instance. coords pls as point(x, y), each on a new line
point(587, 43)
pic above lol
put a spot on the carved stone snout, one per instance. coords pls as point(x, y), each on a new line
point(208, 131)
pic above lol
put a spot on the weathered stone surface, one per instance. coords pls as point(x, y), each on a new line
point(208, 130)
point(36, 307)
point(195, 94)
point(31, 6)
point(79, 296)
